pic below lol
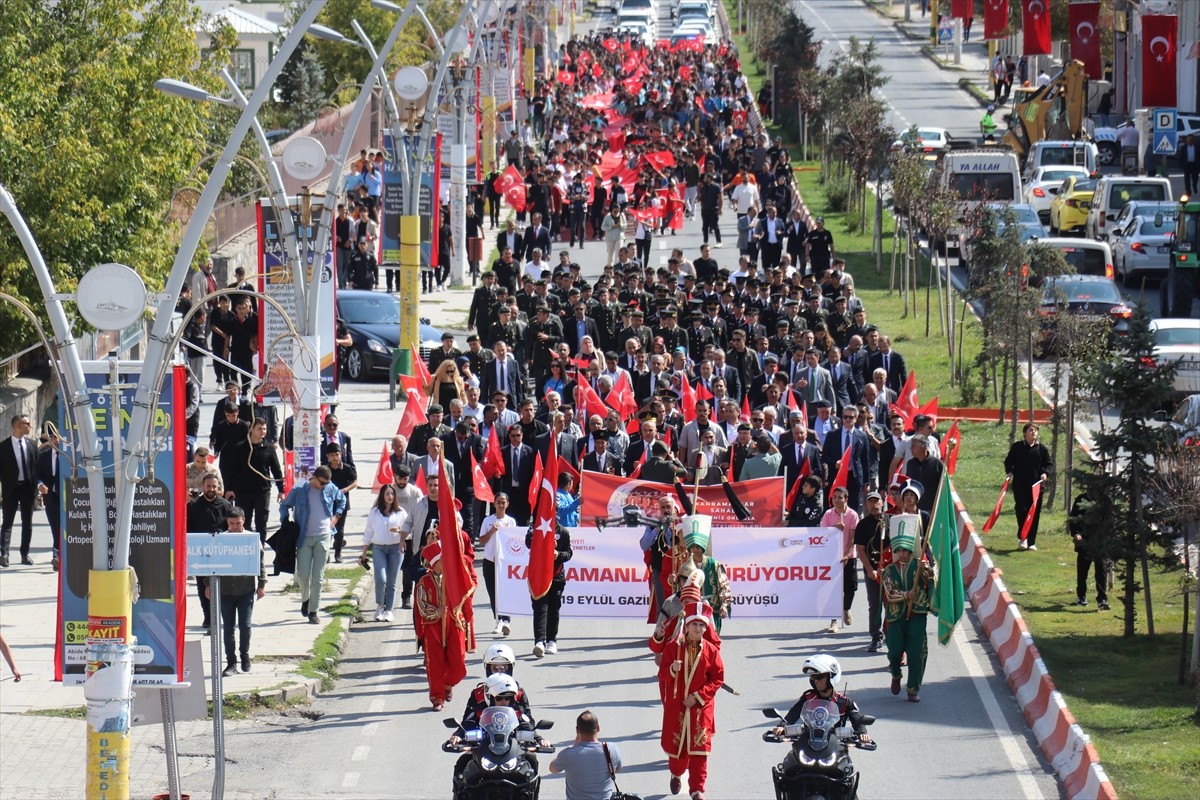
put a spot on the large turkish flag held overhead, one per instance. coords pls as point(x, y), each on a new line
point(1083, 21)
point(1158, 60)
point(995, 18)
point(1035, 26)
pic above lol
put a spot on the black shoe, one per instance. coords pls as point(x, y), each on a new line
point(304, 609)
point(875, 646)
point(404, 603)
point(245, 663)
point(275, 571)
point(54, 563)
point(312, 618)
point(1081, 601)
point(3, 561)
point(337, 558)
point(230, 670)
point(1103, 606)
point(27, 561)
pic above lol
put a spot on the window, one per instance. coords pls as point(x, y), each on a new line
point(241, 67)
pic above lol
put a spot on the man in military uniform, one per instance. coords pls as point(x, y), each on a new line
point(814, 314)
point(482, 302)
point(672, 335)
point(636, 330)
point(363, 267)
point(503, 329)
point(781, 342)
point(608, 318)
point(699, 337)
point(838, 323)
point(541, 337)
point(418, 440)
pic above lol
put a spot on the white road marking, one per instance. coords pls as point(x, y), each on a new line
point(351, 780)
point(376, 706)
point(360, 753)
point(1009, 743)
point(370, 729)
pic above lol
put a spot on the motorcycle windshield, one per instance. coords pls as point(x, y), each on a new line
point(499, 723)
point(820, 717)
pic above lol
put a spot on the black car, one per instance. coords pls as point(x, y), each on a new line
point(373, 321)
point(1090, 297)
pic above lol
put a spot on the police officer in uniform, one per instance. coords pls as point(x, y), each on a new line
point(363, 267)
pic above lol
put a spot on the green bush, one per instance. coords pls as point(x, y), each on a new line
point(837, 194)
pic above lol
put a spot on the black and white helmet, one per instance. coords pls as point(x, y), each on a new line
point(822, 664)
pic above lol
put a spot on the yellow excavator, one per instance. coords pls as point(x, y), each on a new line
point(1055, 111)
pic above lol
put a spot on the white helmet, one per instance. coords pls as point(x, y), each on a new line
point(822, 664)
point(499, 655)
point(501, 684)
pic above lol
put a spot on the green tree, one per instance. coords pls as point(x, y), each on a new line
point(90, 152)
point(301, 87)
point(1123, 473)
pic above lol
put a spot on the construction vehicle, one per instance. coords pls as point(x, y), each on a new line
point(1054, 111)
point(1182, 284)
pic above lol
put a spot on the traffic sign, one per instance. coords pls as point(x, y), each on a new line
point(1165, 119)
point(223, 554)
point(945, 32)
point(1165, 142)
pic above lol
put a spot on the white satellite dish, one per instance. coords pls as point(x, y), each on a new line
point(304, 158)
point(111, 297)
point(411, 83)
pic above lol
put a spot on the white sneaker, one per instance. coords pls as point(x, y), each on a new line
point(498, 629)
point(832, 627)
point(388, 616)
point(552, 647)
point(1033, 547)
point(539, 649)
point(1023, 546)
point(378, 613)
point(505, 629)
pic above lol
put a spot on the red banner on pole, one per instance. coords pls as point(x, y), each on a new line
point(1035, 27)
point(995, 18)
point(1083, 24)
point(605, 495)
point(1033, 511)
point(962, 9)
point(987, 526)
point(1159, 34)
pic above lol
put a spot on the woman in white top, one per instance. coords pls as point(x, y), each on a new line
point(487, 535)
point(382, 535)
point(845, 519)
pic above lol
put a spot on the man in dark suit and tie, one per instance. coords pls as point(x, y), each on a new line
point(503, 374)
point(518, 474)
point(512, 238)
point(459, 447)
point(579, 326)
point(599, 459)
point(565, 444)
point(48, 474)
point(846, 442)
point(796, 449)
point(844, 392)
point(331, 435)
point(18, 464)
point(537, 237)
point(399, 456)
point(891, 362)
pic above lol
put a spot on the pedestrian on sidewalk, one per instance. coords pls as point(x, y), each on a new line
point(907, 587)
point(345, 478)
point(208, 513)
point(248, 468)
point(318, 505)
point(689, 678)
point(17, 479)
point(237, 601)
point(1027, 463)
point(382, 538)
point(487, 537)
point(48, 474)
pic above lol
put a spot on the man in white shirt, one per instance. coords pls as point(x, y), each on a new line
point(745, 194)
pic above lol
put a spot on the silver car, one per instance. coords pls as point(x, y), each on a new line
point(1142, 248)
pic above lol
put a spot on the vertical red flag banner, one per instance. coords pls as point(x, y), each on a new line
point(930, 410)
point(483, 490)
point(1083, 24)
point(950, 448)
point(805, 471)
point(493, 459)
point(987, 526)
point(1159, 35)
point(413, 415)
point(383, 472)
point(961, 9)
point(995, 18)
point(535, 485)
point(459, 584)
point(842, 478)
point(421, 368)
point(906, 403)
point(545, 525)
point(1035, 27)
point(1036, 491)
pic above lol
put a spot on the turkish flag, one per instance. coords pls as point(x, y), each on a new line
point(584, 58)
point(842, 478)
point(616, 141)
point(493, 459)
point(586, 398)
point(1035, 27)
point(951, 447)
point(413, 415)
point(535, 484)
point(609, 44)
point(545, 525)
point(511, 185)
point(685, 72)
point(621, 398)
point(687, 398)
point(1084, 26)
point(483, 489)
point(458, 581)
point(632, 63)
point(930, 409)
point(566, 77)
point(419, 482)
point(995, 18)
point(961, 9)
point(745, 415)
point(421, 368)
point(805, 471)
point(383, 472)
point(906, 404)
point(991, 520)
point(1159, 34)
point(1036, 491)
point(632, 85)
point(565, 466)
point(792, 403)
point(646, 215)
point(660, 160)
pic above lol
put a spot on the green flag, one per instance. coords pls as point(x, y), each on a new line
point(943, 539)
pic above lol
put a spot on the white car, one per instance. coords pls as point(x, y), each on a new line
point(1178, 340)
point(1141, 247)
point(928, 140)
point(639, 30)
point(1044, 185)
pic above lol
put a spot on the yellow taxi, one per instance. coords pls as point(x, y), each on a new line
point(1069, 209)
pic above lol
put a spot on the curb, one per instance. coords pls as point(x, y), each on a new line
point(1064, 743)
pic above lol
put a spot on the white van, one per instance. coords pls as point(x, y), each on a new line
point(986, 175)
point(1111, 195)
point(1086, 256)
point(1060, 154)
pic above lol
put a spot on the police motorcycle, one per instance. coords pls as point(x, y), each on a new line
point(819, 729)
point(501, 766)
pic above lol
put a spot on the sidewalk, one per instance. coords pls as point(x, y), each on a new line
point(974, 66)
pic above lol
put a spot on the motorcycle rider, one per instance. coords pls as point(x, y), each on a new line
point(823, 673)
point(498, 660)
point(501, 690)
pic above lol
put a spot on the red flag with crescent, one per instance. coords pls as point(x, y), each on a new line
point(383, 472)
point(906, 404)
point(545, 526)
point(1159, 34)
point(951, 447)
point(1084, 26)
point(609, 44)
point(566, 77)
point(995, 18)
point(483, 490)
point(493, 459)
point(1035, 27)
point(511, 185)
point(661, 160)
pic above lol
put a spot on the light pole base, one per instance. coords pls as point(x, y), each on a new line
point(109, 684)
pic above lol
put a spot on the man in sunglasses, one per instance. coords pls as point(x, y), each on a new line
point(317, 505)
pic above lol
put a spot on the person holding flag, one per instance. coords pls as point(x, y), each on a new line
point(716, 582)
point(908, 589)
point(439, 629)
point(1027, 465)
point(549, 549)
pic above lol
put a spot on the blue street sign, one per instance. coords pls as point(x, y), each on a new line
point(223, 554)
point(1165, 119)
point(1165, 142)
point(1166, 133)
point(945, 32)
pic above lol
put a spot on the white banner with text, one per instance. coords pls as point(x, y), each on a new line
point(773, 572)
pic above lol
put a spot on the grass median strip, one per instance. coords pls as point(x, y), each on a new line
point(326, 652)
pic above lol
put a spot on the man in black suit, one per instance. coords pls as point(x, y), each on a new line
point(503, 374)
point(18, 463)
point(796, 449)
point(565, 444)
point(733, 378)
point(400, 456)
point(537, 237)
point(846, 442)
point(331, 435)
point(229, 430)
point(579, 326)
point(480, 314)
point(233, 394)
point(891, 362)
point(459, 447)
point(518, 474)
point(844, 391)
point(48, 474)
point(639, 451)
point(648, 385)
point(599, 459)
point(511, 238)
